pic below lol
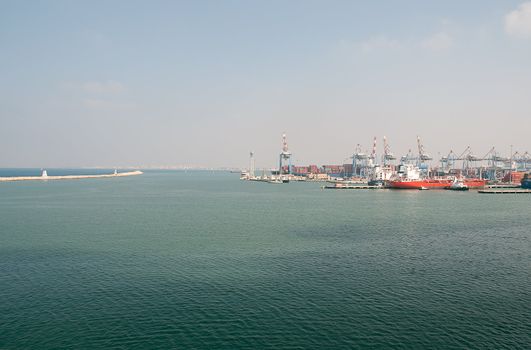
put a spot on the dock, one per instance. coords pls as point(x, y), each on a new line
point(353, 187)
point(497, 186)
point(67, 177)
point(505, 191)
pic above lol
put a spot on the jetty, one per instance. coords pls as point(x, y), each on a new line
point(497, 186)
point(352, 187)
point(505, 191)
point(46, 177)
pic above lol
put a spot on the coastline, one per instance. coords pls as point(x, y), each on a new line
point(68, 177)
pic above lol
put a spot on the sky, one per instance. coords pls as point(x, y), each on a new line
point(202, 83)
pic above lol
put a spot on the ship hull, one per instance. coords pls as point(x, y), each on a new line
point(434, 184)
point(415, 185)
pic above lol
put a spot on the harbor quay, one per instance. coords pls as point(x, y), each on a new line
point(370, 170)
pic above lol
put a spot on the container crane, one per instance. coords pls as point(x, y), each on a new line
point(388, 156)
point(423, 157)
point(373, 153)
point(448, 162)
point(470, 161)
point(285, 155)
point(359, 162)
point(522, 162)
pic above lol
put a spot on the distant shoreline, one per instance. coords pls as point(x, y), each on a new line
point(67, 177)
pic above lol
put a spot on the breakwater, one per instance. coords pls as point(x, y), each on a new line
point(68, 177)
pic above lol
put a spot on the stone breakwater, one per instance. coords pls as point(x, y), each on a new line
point(68, 177)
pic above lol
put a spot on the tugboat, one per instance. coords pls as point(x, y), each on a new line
point(458, 185)
point(526, 181)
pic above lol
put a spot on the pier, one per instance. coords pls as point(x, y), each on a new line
point(508, 185)
point(353, 187)
point(505, 191)
point(68, 177)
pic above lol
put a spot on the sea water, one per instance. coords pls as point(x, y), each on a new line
point(202, 260)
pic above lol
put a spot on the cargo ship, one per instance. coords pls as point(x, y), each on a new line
point(419, 183)
point(411, 179)
point(433, 183)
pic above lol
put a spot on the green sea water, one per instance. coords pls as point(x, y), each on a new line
point(202, 260)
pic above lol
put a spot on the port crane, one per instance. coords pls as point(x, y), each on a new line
point(408, 158)
point(448, 163)
point(388, 156)
point(486, 157)
point(423, 157)
point(470, 161)
point(364, 164)
point(522, 162)
point(373, 162)
point(360, 162)
point(495, 164)
point(285, 155)
point(372, 157)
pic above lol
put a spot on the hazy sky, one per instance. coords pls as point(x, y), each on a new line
point(120, 83)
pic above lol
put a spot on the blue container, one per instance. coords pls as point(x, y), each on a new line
point(526, 182)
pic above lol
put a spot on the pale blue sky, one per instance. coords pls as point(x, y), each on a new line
point(121, 83)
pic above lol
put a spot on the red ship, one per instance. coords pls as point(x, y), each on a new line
point(433, 183)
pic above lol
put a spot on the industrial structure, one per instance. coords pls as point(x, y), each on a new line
point(251, 164)
point(368, 166)
point(285, 156)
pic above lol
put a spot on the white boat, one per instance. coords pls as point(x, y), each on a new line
point(275, 181)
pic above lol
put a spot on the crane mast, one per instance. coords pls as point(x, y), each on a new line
point(388, 156)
